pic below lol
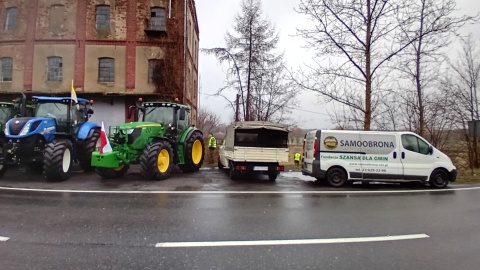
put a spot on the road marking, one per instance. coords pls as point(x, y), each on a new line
point(237, 192)
point(3, 239)
point(292, 242)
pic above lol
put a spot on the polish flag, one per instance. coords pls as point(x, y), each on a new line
point(105, 146)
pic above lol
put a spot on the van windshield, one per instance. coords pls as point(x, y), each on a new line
point(261, 138)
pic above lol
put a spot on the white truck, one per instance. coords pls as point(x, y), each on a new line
point(254, 146)
point(339, 156)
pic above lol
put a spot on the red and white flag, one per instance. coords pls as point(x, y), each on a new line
point(105, 146)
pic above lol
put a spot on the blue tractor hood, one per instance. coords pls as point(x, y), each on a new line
point(22, 127)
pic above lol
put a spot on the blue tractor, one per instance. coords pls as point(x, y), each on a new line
point(58, 135)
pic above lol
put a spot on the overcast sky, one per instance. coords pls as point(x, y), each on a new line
point(216, 17)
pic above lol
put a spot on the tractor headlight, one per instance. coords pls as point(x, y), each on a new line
point(6, 130)
point(130, 131)
point(25, 129)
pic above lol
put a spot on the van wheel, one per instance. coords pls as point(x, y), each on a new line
point(438, 179)
point(336, 177)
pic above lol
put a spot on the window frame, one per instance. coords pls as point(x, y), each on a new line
point(106, 17)
point(417, 147)
point(54, 75)
point(158, 23)
point(151, 65)
point(103, 78)
point(11, 19)
point(4, 78)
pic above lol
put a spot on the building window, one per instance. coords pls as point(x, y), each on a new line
point(103, 17)
point(11, 19)
point(6, 69)
point(57, 16)
point(157, 20)
point(153, 70)
point(106, 70)
point(54, 69)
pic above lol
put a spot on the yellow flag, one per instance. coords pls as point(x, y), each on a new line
point(74, 95)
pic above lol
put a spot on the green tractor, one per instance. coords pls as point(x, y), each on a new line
point(162, 138)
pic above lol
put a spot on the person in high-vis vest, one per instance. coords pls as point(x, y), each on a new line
point(297, 158)
point(212, 145)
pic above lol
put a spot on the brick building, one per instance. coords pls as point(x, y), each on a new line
point(114, 50)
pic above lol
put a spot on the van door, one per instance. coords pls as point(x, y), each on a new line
point(381, 159)
point(309, 151)
point(416, 158)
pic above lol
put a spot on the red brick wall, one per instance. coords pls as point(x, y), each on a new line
point(131, 45)
point(21, 27)
point(80, 48)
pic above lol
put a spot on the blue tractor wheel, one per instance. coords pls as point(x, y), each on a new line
point(57, 160)
point(88, 146)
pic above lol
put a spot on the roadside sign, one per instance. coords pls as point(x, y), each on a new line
point(474, 128)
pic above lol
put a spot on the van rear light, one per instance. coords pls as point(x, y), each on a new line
point(241, 168)
point(304, 140)
point(315, 147)
point(280, 168)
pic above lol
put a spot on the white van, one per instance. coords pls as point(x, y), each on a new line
point(339, 156)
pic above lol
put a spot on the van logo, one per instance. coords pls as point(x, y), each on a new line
point(330, 143)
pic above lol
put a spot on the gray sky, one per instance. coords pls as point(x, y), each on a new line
point(216, 17)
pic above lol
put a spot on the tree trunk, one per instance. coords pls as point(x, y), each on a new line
point(368, 79)
point(247, 110)
point(421, 109)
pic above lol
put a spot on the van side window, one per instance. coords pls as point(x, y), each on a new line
point(414, 144)
point(423, 147)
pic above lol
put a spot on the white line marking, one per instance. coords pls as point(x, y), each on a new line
point(291, 242)
point(3, 239)
point(237, 192)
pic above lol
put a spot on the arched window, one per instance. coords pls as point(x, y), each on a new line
point(103, 17)
point(106, 69)
point(54, 69)
point(158, 19)
point(11, 18)
point(6, 66)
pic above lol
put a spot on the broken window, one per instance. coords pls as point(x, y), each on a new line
point(54, 69)
point(158, 18)
point(103, 17)
point(6, 65)
point(106, 70)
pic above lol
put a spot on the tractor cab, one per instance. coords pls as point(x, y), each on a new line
point(68, 117)
point(174, 117)
point(9, 110)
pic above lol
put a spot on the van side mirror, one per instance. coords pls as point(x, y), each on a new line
point(181, 117)
point(430, 150)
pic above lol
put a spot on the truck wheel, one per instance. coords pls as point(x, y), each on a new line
point(112, 173)
point(336, 177)
point(220, 165)
point(272, 176)
point(232, 173)
point(57, 160)
point(85, 153)
point(438, 179)
point(194, 152)
point(157, 160)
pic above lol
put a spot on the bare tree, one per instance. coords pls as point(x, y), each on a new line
point(464, 92)
point(255, 69)
point(360, 37)
point(207, 121)
point(429, 32)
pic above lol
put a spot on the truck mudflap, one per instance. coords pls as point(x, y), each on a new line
point(453, 175)
point(106, 160)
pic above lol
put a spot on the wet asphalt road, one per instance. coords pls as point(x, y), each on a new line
point(68, 230)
